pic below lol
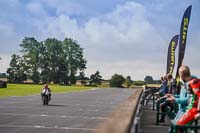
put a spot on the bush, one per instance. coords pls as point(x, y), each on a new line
point(117, 80)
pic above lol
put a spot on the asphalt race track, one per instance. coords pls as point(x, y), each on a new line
point(75, 112)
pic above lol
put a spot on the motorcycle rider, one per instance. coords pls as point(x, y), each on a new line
point(44, 90)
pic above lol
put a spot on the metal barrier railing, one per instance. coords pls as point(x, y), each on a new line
point(135, 125)
point(144, 97)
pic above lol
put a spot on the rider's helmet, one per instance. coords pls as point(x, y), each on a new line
point(46, 86)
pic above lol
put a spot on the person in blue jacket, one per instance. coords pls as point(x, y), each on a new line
point(166, 105)
point(164, 88)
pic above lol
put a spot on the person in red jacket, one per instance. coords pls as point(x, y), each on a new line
point(193, 109)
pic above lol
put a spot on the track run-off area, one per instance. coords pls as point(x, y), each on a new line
point(74, 112)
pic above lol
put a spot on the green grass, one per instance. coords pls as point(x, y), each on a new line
point(29, 89)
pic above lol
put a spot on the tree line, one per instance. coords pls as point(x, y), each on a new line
point(50, 60)
point(119, 81)
point(59, 62)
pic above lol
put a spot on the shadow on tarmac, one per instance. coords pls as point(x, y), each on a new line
point(56, 105)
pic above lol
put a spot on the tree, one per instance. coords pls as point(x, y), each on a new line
point(128, 81)
point(16, 70)
point(74, 57)
point(95, 78)
point(52, 62)
point(148, 79)
point(117, 80)
point(31, 55)
point(0, 58)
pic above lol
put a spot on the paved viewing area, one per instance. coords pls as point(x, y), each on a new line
point(148, 115)
point(74, 112)
point(148, 122)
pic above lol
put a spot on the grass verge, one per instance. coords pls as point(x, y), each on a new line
point(29, 89)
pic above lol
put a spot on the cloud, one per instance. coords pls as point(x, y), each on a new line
point(135, 69)
point(122, 36)
point(192, 53)
point(4, 62)
point(68, 7)
point(127, 37)
point(36, 9)
point(86, 8)
point(125, 34)
point(9, 38)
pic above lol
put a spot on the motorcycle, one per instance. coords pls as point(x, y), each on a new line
point(45, 97)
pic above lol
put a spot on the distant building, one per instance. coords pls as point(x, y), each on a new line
point(4, 79)
point(82, 82)
point(3, 84)
point(28, 81)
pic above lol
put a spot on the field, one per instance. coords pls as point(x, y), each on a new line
point(154, 85)
point(29, 89)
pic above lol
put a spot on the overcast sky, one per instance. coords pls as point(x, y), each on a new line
point(128, 37)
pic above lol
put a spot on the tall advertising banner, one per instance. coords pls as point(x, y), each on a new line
point(171, 54)
point(183, 36)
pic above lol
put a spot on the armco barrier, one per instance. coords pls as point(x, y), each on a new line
point(144, 96)
point(135, 125)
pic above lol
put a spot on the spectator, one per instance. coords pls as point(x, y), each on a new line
point(183, 98)
point(171, 84)
point(166, 105)
point(164, 88)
